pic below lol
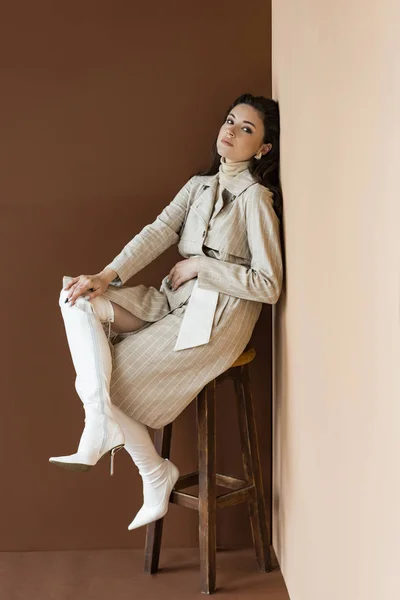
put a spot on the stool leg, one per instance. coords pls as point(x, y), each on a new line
point(252, 470)
point(162, 443)
point(207, 486)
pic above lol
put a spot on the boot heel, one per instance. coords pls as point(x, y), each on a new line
point(112, 454)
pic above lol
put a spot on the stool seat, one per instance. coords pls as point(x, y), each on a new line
point(248, 489)
point(245, 358)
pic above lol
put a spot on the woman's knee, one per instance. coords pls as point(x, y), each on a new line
point(101, 306)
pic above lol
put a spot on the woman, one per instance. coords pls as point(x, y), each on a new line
point(173, 341)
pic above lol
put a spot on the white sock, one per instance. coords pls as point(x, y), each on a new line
point(139, 445)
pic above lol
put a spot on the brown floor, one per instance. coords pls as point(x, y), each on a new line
point(118, 574)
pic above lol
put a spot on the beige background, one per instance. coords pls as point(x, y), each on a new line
point(106, 110)
point(337, 411)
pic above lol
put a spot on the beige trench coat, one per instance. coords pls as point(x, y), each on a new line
point(237, 240)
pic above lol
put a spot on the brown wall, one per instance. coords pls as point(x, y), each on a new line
point(106, 110)
point(337, 487)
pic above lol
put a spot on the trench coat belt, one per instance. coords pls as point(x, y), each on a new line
point(198, 319)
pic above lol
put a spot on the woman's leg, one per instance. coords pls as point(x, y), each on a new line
point(159, 475)
point(106, 426)
point(124, 321)
point(91, 357)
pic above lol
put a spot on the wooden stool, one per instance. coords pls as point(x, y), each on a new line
point(249, 489)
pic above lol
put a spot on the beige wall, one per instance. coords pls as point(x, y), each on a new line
point(337, 388)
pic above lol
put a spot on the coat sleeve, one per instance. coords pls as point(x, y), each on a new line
point(153, 239)
point(262, 281)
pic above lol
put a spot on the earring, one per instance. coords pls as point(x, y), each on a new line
point(258, 155)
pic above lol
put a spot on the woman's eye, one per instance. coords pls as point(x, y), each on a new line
point(246, 129)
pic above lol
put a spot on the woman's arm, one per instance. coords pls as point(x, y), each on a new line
point(152, 240)
point(262, 281)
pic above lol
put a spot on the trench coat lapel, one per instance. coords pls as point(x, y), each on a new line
point(204, 203)
point(203, 206)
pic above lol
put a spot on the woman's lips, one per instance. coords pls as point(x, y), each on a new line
point(224, 141)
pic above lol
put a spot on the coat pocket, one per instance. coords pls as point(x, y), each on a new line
point(223, 300)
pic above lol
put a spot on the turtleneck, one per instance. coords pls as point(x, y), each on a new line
point(226, 175)
point(231, 169)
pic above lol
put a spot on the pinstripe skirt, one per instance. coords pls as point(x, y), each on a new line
point(150, 381)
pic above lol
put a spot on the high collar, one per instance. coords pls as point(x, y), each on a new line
point(231, 169)
point(235, 185)
point(228, 173)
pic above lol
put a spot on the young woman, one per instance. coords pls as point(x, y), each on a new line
point(174, 340)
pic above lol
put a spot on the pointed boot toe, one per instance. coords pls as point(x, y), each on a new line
point(148, 514)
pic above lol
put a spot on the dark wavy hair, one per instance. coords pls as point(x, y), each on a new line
point(266, 169)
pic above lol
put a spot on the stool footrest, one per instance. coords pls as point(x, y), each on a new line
point(235, 497)
point(240, 493)
point(232, 483)
point(186, 481)
point(185, 499)
point(191, 479)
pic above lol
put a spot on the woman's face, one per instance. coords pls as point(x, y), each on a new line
point(241, 136)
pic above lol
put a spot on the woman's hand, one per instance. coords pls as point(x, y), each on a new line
point(183, 271)
point(90, 285)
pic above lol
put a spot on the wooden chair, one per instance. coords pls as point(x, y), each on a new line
point(249, 489)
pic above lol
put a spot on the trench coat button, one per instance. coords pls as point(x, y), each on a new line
point(204, 234)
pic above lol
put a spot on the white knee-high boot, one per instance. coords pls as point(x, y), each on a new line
point(159, 475)
point(92, 360)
